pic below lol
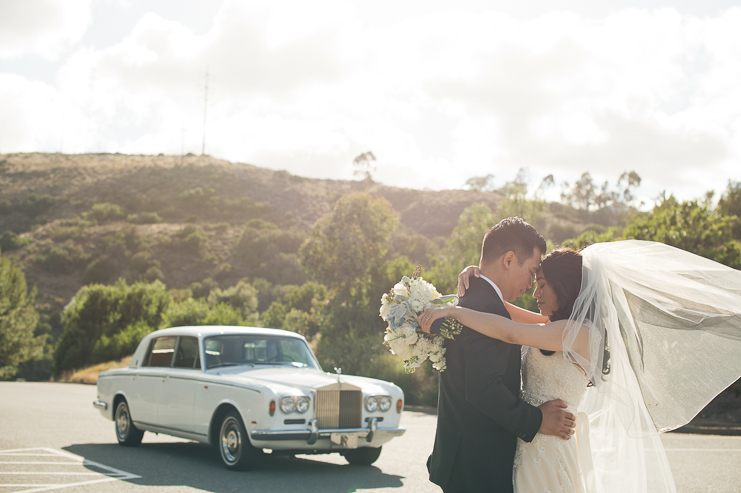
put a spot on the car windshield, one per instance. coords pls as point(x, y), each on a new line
point(233, 350)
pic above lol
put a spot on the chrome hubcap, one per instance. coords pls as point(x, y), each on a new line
point(122, 421)
point(231, 440)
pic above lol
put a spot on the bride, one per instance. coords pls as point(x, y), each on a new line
point(636, 337)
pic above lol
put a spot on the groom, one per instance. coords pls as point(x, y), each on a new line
point(480, 414)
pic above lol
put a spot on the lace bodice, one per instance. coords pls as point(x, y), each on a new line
point(548, 463)
point(551, 377)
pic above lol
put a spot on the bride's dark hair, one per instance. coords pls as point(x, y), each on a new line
point(562, 271)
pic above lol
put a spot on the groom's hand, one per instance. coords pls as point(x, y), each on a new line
point(557, 421)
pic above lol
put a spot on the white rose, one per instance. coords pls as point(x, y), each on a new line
point(401, 290)
point(385, 308)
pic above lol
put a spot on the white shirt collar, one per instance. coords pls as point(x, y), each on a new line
point(496, 288)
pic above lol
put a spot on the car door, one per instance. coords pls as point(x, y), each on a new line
point(178, 389)
point(149, 380)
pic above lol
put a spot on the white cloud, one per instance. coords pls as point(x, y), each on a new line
point(42, 28)
point(438, 94)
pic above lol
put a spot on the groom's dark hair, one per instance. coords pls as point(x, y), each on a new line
point(511, 234)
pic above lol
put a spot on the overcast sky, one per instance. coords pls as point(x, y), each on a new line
point(439, 91)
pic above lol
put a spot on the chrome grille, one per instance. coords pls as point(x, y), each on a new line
point(339, 408)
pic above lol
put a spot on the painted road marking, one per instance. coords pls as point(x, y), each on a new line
point(105, 474)
point(703, 449)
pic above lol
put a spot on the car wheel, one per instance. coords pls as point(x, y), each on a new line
point(127, 434)
point(237, 452)
point(364, 456)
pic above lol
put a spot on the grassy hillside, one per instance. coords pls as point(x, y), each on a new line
point(75, 219)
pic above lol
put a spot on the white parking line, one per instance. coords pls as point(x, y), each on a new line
point(703, 449)
point(107, 473)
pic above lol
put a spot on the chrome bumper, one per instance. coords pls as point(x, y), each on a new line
point(100, 405)
point(313, 434)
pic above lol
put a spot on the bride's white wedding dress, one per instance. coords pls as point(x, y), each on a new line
point(550, 464)
point(664, 338)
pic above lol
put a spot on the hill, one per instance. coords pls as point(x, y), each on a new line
point(189, 221)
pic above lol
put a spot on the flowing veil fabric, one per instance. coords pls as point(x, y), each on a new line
point(665, 334)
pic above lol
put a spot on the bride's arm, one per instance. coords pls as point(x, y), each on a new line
point(548, 336)
point(522, 316)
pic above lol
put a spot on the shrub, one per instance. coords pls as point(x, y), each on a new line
point(62, 259)
point(101, 270)
point(154, 274)
point(203, 288)
point(34, 204)
point(105, 212)
point(144, 218)
point(269, 252)
point(99, 313)
point(141, 262)
point(67, 233)
point(200, 312)
point(122, 343)
point(191, 240)
point(10, 241)
point(242, 296)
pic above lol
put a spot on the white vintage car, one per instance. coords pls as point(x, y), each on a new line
point(246, 389)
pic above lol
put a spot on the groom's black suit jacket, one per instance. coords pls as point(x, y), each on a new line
point(479, 412)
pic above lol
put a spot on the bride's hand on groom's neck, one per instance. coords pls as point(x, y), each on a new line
point(464, 276)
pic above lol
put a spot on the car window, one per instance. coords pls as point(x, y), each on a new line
point(186, 355)
point(162, 351)
point(231, 350)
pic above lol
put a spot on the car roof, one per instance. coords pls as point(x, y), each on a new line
point(212, 330)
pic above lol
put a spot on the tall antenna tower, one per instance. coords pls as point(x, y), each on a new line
point(205, 107)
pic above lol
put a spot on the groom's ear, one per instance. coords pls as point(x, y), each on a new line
point(508, 258)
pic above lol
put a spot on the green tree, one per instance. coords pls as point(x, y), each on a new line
point(242, 296)
point(590, 237)
point(18, 319)
point(97, 314)
point(691, 226)
point(352, 330)
point(730, 204)
point(301, 310)
point(480, 183)
point(267, 251)
point(516, 203)
point(200, 312)
point(346, 242)
point(364, 166)
point(464, 247)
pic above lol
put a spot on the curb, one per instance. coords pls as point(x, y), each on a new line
point(730, 430)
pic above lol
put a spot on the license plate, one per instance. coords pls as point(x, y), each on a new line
point(344, 440)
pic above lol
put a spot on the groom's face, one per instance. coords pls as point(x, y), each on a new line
point(520, 276)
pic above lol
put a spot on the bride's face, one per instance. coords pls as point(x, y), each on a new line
point(546, 296)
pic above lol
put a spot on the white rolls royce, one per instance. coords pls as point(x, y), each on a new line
point(246, 389)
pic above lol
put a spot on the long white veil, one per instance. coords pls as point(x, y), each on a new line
point(665, 339)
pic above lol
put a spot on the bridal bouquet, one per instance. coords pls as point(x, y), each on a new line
point(401, 307)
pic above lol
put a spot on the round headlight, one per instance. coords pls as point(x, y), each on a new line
point(287, 405)
point(302, 404)
point(371, 404)
point(384, 403)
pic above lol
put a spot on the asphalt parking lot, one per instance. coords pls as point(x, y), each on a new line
point(52, 439)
